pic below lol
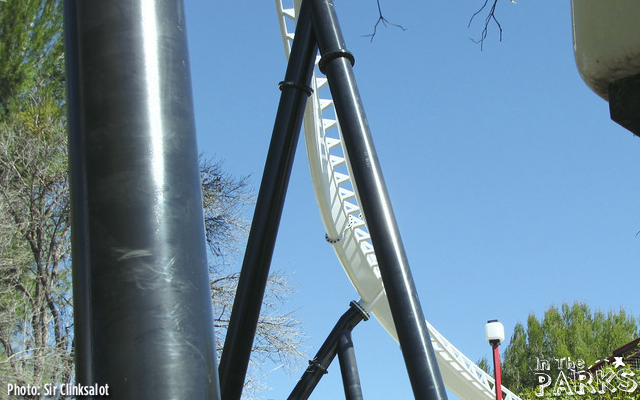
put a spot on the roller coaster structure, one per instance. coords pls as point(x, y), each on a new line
point(338, 201)
point(142, 301)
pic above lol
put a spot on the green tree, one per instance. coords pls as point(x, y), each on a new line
point(31, 50)
point(572, 331)
point(483, 364)
point(34, 246)
point(517, 375)
point(35, 312)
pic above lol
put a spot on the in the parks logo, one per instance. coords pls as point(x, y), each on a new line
point(567, 377)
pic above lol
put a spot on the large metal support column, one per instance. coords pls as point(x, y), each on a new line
point(143, 315)
point(413, 335)
point(318, 366)
point(349, 367)
point(266, 220)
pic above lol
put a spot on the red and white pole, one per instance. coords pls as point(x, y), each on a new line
point(496, 368)
point(495, 335)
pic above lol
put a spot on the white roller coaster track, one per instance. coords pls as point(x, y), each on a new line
point(347, 231)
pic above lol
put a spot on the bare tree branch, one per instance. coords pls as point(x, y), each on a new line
point(490, 17)
point(384, 21)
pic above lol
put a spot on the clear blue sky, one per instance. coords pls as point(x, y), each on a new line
point(512, 188)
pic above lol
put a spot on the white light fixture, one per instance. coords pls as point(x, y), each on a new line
point(494, 331)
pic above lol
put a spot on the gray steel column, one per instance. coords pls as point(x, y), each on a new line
point(413, 334)
point(143, 322)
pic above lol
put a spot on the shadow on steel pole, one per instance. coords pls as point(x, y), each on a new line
point(413, 334)
point(266, 219)
point(143, 315)
point(349, 367)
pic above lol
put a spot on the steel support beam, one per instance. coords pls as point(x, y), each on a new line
point(413, 335)
point(266, 219)
point(142, 301)
point(349, 367)
point(318, 366)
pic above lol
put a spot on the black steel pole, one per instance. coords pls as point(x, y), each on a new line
point(143, 315)
point(413, 334)
point(349, 367)
point(318, 366)
point(266, 219)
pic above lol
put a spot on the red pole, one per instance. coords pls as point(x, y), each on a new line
point(496, 368)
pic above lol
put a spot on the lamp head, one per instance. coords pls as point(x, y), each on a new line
point(494, 331)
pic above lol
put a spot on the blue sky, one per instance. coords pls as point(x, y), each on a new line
point(512, 188)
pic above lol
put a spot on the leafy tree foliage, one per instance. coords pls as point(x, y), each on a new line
point(35, 316)
point(31, 50)
point(483, 364)
point(35, 328)
point(572, 331)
